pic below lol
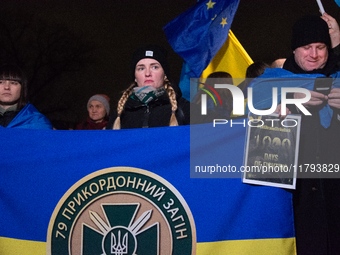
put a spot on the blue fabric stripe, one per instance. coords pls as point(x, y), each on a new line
point(279, 78)
point(39, 166)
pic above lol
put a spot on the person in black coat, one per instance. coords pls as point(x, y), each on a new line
point(151, 100)
point(316, 199)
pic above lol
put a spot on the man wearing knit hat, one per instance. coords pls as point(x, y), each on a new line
point(311, 45)
point(316, 201)
point(98, 107)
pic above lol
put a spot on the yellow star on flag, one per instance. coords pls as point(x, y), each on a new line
point(210, 4)
point(224, 22)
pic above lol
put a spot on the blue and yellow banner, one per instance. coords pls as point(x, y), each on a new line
point(38, 167)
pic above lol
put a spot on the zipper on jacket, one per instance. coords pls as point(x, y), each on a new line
point(146, 117)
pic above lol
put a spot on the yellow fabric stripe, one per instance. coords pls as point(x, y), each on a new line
point(231, 58)
point(286, 246)
point(10, 246)
point(240, 48)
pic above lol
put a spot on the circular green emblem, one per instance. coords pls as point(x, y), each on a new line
point(122, 211)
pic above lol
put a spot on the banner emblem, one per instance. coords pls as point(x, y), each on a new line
point(121, 211)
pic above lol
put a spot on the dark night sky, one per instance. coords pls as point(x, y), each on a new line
point(117, 27)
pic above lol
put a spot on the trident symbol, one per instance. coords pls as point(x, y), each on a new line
point(118, 247)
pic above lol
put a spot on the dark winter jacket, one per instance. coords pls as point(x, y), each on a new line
point(91, 125)
point(316, 201)
point(7, 117)
point(156, 113)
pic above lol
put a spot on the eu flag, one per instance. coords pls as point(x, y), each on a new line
point(199, 33)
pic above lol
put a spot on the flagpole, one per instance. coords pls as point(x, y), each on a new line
point(322, 10)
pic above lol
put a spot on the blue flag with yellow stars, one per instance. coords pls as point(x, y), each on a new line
point(199, 33)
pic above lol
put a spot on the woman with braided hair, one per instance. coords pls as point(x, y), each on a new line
point(150, 101)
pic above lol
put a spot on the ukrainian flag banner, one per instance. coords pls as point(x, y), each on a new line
point(130, 191)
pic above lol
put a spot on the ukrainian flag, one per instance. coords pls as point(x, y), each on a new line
point(39, 166)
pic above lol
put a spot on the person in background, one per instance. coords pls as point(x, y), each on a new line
point(151, 100)
point(15, 111)
point(278, 63)
point(256, 69)
point(316, 201)
point(98, 107)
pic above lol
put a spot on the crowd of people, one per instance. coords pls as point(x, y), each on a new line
point(152, 100)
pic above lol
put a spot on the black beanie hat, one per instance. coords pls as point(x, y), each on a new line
point(310, 29)
point(151, 51)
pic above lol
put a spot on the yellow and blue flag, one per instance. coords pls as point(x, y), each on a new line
point(39, 166)
point(231, 58)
